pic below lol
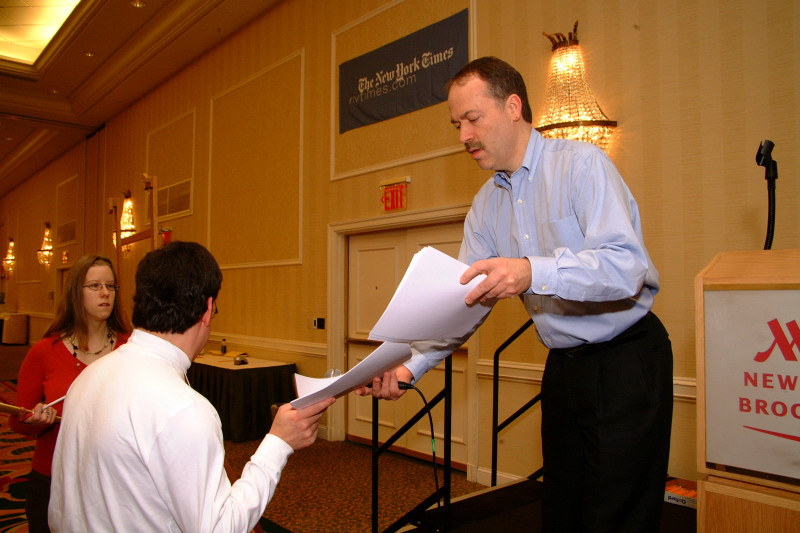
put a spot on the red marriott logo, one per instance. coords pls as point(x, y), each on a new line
point(782, 341)
point(785, 383)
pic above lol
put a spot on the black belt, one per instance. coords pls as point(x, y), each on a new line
point(636, 331)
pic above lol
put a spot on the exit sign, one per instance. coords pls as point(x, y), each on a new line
point(394, 195)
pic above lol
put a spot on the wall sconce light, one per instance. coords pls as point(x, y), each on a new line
point(45, 253)
point(126, 226)
point(10, 261)
point(570, 109)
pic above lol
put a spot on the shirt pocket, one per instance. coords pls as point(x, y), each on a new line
point(561, 233)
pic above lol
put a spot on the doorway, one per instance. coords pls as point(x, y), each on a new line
point(367, 260)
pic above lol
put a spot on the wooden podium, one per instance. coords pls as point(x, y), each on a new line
point(748, 392)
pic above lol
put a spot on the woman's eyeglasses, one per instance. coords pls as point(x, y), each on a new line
point(111, 287)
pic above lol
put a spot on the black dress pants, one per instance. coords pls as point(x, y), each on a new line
point(37, 498)
point(606, 424)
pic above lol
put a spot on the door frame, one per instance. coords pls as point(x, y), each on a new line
point(338, 233)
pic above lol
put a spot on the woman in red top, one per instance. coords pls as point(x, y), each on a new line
point(88, 325)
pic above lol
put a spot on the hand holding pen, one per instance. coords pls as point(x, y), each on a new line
point(42, 413)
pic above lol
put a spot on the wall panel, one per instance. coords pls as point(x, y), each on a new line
point(256, 174)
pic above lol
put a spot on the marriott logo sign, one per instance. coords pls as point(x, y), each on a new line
point(750, 364)
point(785, 344)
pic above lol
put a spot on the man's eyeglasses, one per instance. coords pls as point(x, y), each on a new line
point(111, 287)
point(215, 311)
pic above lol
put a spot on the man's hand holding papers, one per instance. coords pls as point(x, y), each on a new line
point(430, 301)
point(505, 277)
point(386, 386)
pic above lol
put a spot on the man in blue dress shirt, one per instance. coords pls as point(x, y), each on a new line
point(557, 226)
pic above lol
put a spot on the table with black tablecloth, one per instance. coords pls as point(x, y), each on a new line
point(243, 394)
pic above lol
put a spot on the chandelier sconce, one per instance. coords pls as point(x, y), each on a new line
point(125, 234)
point(126, 225)
point(10, 261)
point(45, 253)
point(570, 110)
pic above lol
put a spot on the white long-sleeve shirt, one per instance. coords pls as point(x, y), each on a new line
point(140, 450)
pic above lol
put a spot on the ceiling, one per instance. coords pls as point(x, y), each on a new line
point(26, 26)
point(107, 55)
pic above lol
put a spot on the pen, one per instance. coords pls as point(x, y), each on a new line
point(51, 404)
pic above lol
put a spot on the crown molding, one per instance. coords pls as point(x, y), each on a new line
point(173, 21)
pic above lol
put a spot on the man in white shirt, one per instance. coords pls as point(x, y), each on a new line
point(139, 449)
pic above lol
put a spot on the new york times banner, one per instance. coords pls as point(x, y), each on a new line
point(402, 76)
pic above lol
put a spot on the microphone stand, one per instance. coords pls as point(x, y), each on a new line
point(764, 159)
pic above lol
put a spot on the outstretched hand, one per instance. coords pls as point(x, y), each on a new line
point(386, 386)
point(298, 427)
point(505, 277)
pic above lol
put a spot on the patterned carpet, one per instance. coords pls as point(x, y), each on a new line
point(16, 453)
point(327, 487)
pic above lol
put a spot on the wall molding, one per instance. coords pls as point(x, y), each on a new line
point(483, 476)
point(306, 349)
point(684, 388)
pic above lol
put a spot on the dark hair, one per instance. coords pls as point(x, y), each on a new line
point(71, 315)
point(173, 284)
point(503, 81)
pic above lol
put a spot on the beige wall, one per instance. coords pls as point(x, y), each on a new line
point(695, 86)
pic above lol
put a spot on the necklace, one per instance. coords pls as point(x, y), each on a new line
point(109, 339)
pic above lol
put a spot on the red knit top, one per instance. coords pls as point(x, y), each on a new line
point(47, 371)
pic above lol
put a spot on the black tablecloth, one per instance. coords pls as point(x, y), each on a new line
point(244, 395)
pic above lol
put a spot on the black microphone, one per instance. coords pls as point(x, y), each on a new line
point(764, 154)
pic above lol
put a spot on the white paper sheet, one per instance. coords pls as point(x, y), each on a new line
point(387, 356)
point(429, 302)
point(427, 305)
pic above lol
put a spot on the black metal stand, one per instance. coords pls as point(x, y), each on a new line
point(497, 427)
point(443, 495)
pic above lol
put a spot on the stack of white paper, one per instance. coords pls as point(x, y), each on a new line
point(429, 302)
point(427, 305)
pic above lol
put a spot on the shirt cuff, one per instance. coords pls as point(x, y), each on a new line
point(427, 354)
point(274, 450)
point(543, 276)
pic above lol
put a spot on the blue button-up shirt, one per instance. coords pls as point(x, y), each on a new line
point(569, 212)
